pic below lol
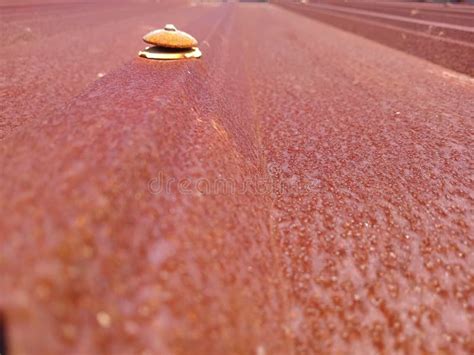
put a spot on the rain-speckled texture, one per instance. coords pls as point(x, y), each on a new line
point(274, 197)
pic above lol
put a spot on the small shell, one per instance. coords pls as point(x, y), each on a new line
point(170, 37)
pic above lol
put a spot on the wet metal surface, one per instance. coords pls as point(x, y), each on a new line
point(252, 202)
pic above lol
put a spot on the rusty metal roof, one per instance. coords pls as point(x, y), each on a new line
point(299, 189)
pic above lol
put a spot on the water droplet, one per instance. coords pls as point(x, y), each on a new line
point(260, 350)
point(104, 319)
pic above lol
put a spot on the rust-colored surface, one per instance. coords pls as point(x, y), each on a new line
point(52, 52)
point(348, 229)
point(436, 32)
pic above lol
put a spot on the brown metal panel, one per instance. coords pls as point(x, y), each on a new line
point(299, 189)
